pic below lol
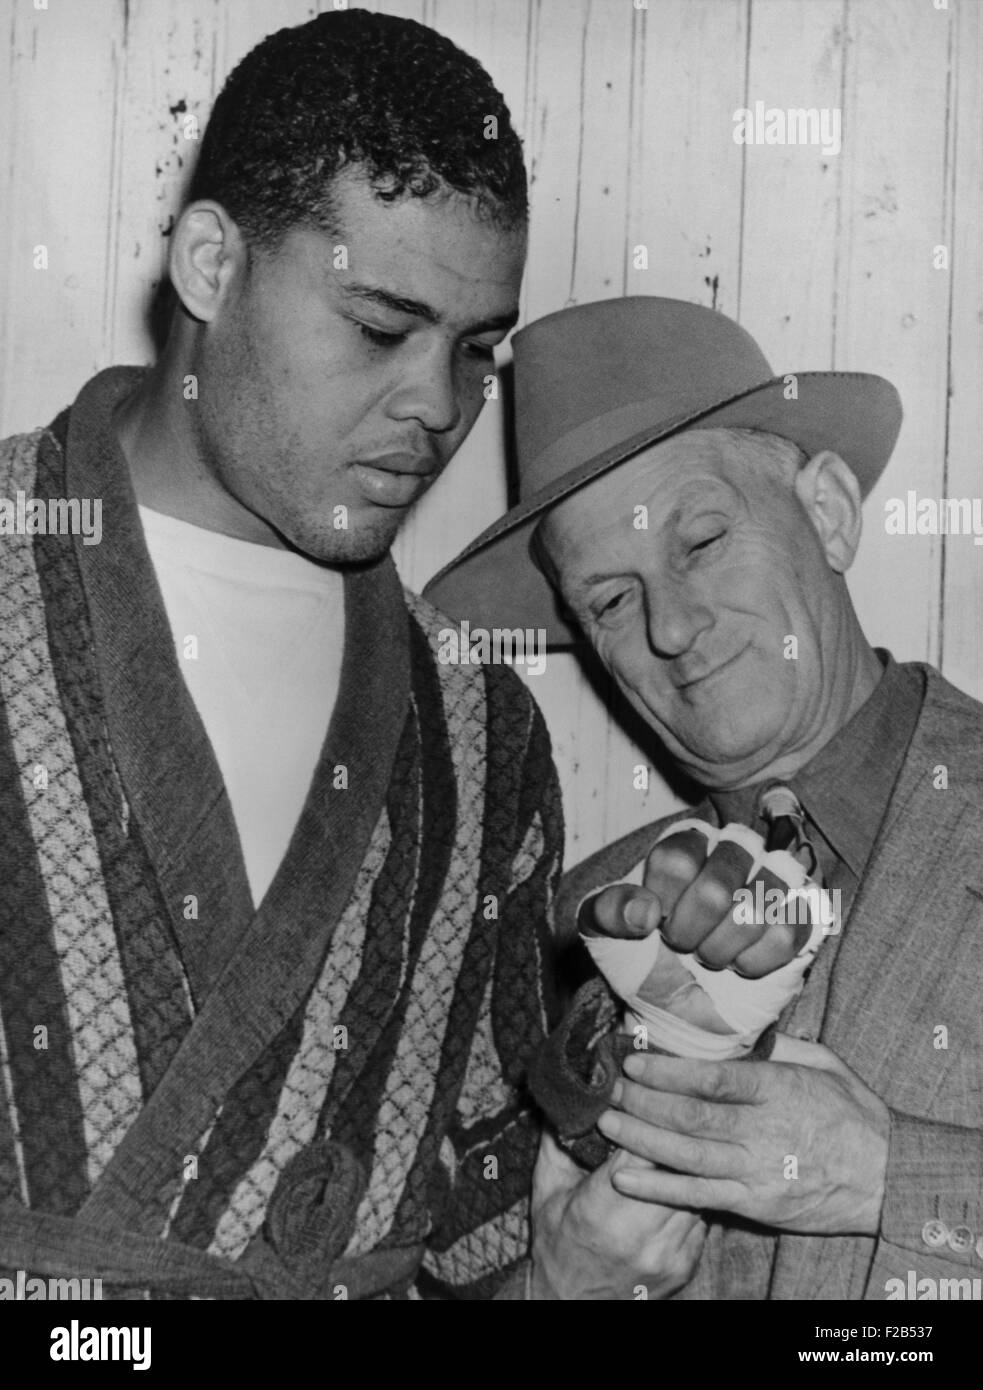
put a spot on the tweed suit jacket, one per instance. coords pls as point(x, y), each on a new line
point(902, 1008)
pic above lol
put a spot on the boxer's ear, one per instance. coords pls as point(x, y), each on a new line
point(828, 489)
point(207, 251)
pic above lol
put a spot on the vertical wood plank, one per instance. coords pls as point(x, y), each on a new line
point(686, 173)
point(791, 192)
point(892, 306)
point(171, 57)
point(61, 177)
point(962, 653)
point(8, 224)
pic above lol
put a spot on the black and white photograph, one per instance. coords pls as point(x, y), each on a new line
point(491, 666)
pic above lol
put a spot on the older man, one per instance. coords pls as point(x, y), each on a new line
point(698, 516)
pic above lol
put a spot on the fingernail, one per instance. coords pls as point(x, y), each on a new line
point(633, 1066)
point(617, 1091)
point(638, 913)
point(610, 1124)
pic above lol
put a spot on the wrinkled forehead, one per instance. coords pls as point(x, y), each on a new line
point(649, 493)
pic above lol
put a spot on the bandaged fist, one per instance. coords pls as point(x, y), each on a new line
point(690, 894)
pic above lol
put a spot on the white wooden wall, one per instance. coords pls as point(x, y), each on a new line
point(626, 111)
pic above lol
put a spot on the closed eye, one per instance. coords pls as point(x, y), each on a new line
point(703, 545)
point(378, 338)
point(611, 604)
point(482, 350)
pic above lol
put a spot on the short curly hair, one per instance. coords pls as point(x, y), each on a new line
point(352, 87)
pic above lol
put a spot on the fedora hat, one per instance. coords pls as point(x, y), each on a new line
point(597, 384)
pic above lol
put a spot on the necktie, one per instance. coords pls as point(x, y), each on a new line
point(781, 808)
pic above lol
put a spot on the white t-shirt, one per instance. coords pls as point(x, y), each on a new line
point(259, 634)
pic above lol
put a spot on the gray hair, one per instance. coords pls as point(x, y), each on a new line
point(755, 447)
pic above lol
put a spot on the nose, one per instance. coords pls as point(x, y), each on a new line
point(429, 391)
point(675, 617)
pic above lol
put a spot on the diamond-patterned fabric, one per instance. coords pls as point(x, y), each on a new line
point(98, 1014)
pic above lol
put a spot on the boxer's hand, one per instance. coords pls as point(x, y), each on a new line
point(592, 1242)
point(689, 897)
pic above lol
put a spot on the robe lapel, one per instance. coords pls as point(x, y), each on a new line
point(169, 773)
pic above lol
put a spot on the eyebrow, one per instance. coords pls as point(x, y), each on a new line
point(401, 305)
point(582, 585)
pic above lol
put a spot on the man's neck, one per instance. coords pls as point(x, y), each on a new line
point(157, 436)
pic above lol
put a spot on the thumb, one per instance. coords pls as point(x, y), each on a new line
point(555, 1171)
point(623, 910)
point(798, 1052)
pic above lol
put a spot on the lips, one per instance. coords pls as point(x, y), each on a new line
point(707, 675)
point(418, 465)
point(393, 480)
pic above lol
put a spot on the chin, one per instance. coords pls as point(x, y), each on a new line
point(726, 762)
point(353, 547)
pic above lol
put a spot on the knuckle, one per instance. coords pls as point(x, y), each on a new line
point(713, 955)
point(781, 939)
point(675, 859)
point(703, 1115)
point(715, 897)
point(673, 935)
point(699, 1157)
point(719, 1085)
point(751, 965)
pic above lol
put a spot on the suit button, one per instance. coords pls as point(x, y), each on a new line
point(935, 1233)
point(961, 1239)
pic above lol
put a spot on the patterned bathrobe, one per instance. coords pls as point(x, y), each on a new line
point(320, 1098)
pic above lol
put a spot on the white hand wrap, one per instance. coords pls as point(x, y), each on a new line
point(748, 1006)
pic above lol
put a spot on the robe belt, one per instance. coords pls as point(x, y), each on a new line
point(298, 1253)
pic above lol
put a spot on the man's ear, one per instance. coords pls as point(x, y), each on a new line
point(207, 250)
point(828, 489)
